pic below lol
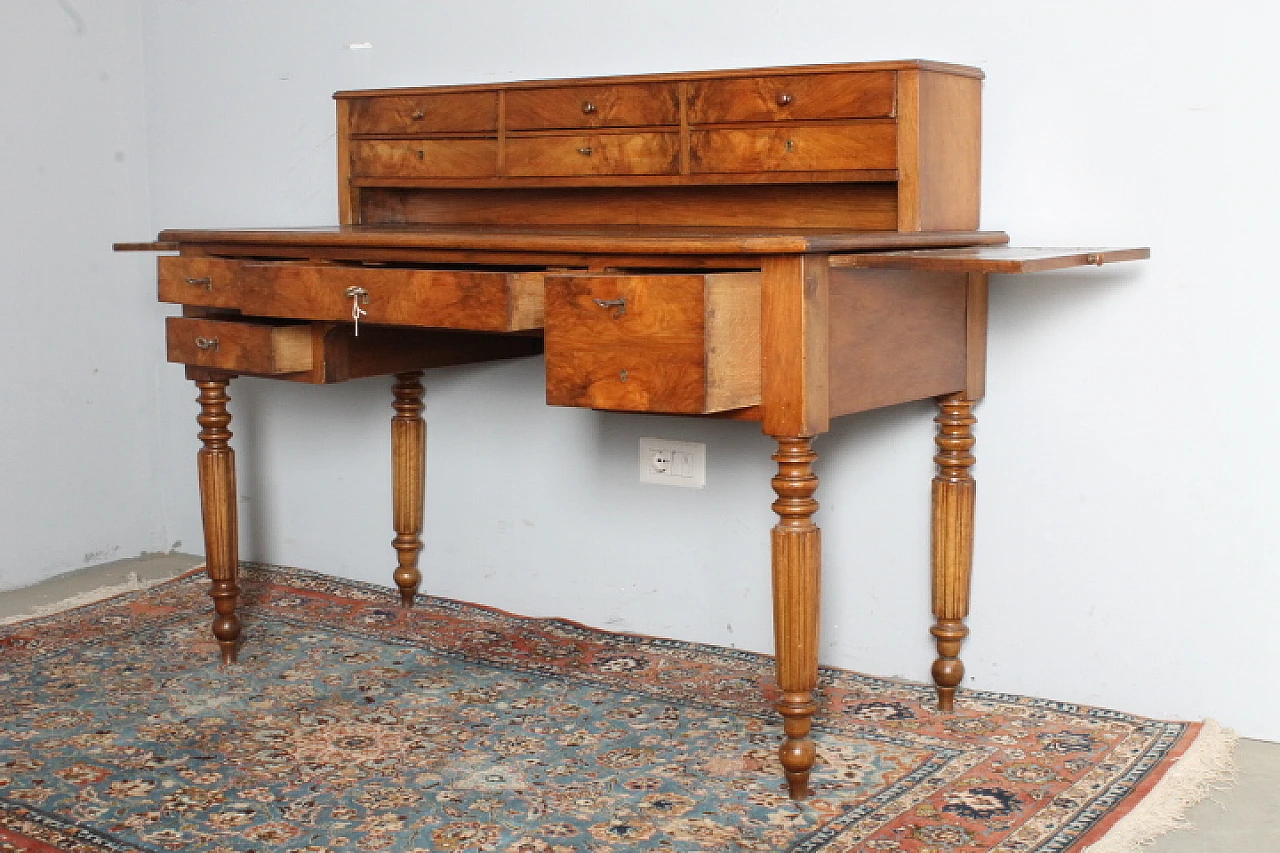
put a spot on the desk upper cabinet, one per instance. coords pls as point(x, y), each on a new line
point(888, 146)
point(780, 245)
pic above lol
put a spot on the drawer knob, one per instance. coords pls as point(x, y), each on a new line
point(206, 282)
point(588, 108)
point(623, 376)
point(417, 115)
point(619, 306)
point(585, 151)
point(784, 99)
point(207, 344)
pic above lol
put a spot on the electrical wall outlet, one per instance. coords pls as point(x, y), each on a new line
point(673, 463)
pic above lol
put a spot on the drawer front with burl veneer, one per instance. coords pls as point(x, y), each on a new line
point(678, 343)
point(411, 114)
point(267, 349)
point(594, 154)
point(424, 158)
point(634, 105)
point(476, 300)
point(796, 97)
point(806, 148)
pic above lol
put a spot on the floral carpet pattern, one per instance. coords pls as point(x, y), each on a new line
point(350, 724)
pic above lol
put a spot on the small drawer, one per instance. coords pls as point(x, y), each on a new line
point(594, 154)
point(636, 105)
point(809, 148)
point(461, 112)
point(262, 348)
point(476, 300)
point(425, 158)
point(680, 343)
point(865, 94)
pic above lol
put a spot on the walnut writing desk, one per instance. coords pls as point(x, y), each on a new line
point(780, 245)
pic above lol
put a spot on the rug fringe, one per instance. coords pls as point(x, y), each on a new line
point(132, 583)
point(1207, 765)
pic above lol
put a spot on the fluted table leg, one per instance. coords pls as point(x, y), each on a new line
point(797, 558)
point(953, 501)
point(408, 480)
point(217, 464)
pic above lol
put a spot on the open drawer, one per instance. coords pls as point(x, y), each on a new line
point(267, 349)
point(686, 343)
point(471, 299)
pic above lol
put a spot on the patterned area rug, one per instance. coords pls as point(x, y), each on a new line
point(351, 725)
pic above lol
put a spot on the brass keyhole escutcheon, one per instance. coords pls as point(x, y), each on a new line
point(791, 146)
point(205, 282)
point(623, 376)
point(207, 344)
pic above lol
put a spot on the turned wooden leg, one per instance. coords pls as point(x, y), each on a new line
point(408, 479)
point(217, 463)
point(953, 499)
point(797, 558)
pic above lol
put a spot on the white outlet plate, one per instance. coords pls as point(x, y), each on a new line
point(665, 462)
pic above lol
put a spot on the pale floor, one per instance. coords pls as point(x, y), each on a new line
point(1243, 819)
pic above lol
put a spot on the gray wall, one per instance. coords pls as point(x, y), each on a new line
point(78, 343)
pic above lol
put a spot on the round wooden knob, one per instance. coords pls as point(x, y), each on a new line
point(585, 152)
point(784, 99)
point(417, 115)
point(588, 108)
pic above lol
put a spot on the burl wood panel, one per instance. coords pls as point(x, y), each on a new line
point(457, 112)
point(896, 336)
point(240, 347)
point(653, 343)
point(792, 97)
point(808, 148)
point(594, 154)
point(452, 299)
point(858, 207)
point(425, 158)
point(627, 105)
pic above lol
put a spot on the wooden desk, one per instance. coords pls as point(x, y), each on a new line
point(775, 245)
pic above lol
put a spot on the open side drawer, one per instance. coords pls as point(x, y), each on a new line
point(269, 349)
point(677, 343)
point(470, 299)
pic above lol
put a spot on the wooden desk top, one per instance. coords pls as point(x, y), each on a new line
point(621, 239)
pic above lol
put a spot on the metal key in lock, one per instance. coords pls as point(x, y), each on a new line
point(358, 296)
